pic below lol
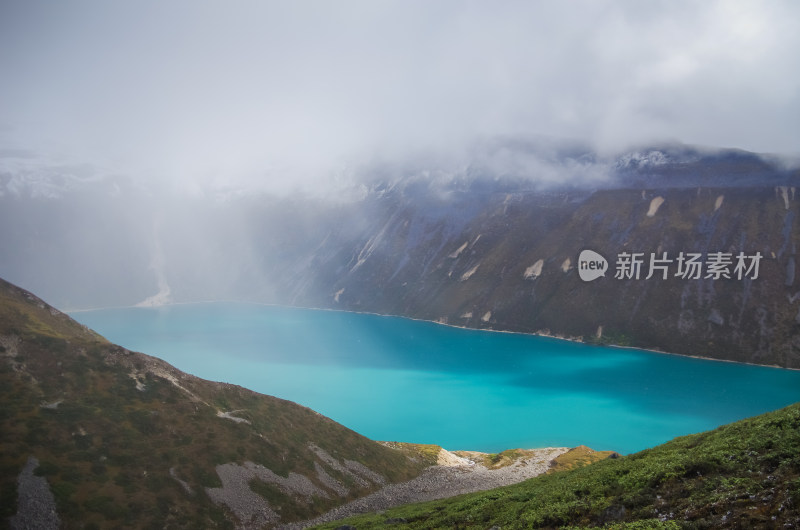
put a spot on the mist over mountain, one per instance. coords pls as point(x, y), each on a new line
point(450, 161)
point(487, 241)
point(158, 152)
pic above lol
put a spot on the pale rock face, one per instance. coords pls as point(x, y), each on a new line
point(467, 275)
point(159, 299)
point(534, 271)
point(448, 459)
point(655, 204)
point(784, 191)
point(487, 316)
point(718, 202)
point(455, 254)
point(566, 266)
point(230, 416)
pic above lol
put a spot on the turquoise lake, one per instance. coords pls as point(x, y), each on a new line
point(391, 378)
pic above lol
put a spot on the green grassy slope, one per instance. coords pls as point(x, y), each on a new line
point(742, 475)
point(115, 430)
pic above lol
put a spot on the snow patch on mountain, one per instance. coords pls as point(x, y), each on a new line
point(642, 159)
point(27, 175)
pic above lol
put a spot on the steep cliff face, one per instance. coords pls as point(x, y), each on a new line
point(508, 261)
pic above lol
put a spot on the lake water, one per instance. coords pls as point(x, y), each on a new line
point(397, 379)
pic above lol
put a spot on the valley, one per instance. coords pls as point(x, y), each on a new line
point(462, 246)
point(399, 264)
point(94, 434)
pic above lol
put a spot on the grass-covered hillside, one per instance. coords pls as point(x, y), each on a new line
point(125, 440)
point(743, 475)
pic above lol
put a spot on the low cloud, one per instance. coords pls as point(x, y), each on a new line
point(287, 95)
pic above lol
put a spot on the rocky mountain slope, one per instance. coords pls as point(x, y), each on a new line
point(512, 264)
point(500, 254)
point(94, 435)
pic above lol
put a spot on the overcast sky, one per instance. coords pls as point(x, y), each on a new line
point(200, 89)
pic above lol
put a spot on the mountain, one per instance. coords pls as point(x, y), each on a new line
point(508, 261)
point(488, 241)
point(742, 475)
point(97, 436)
